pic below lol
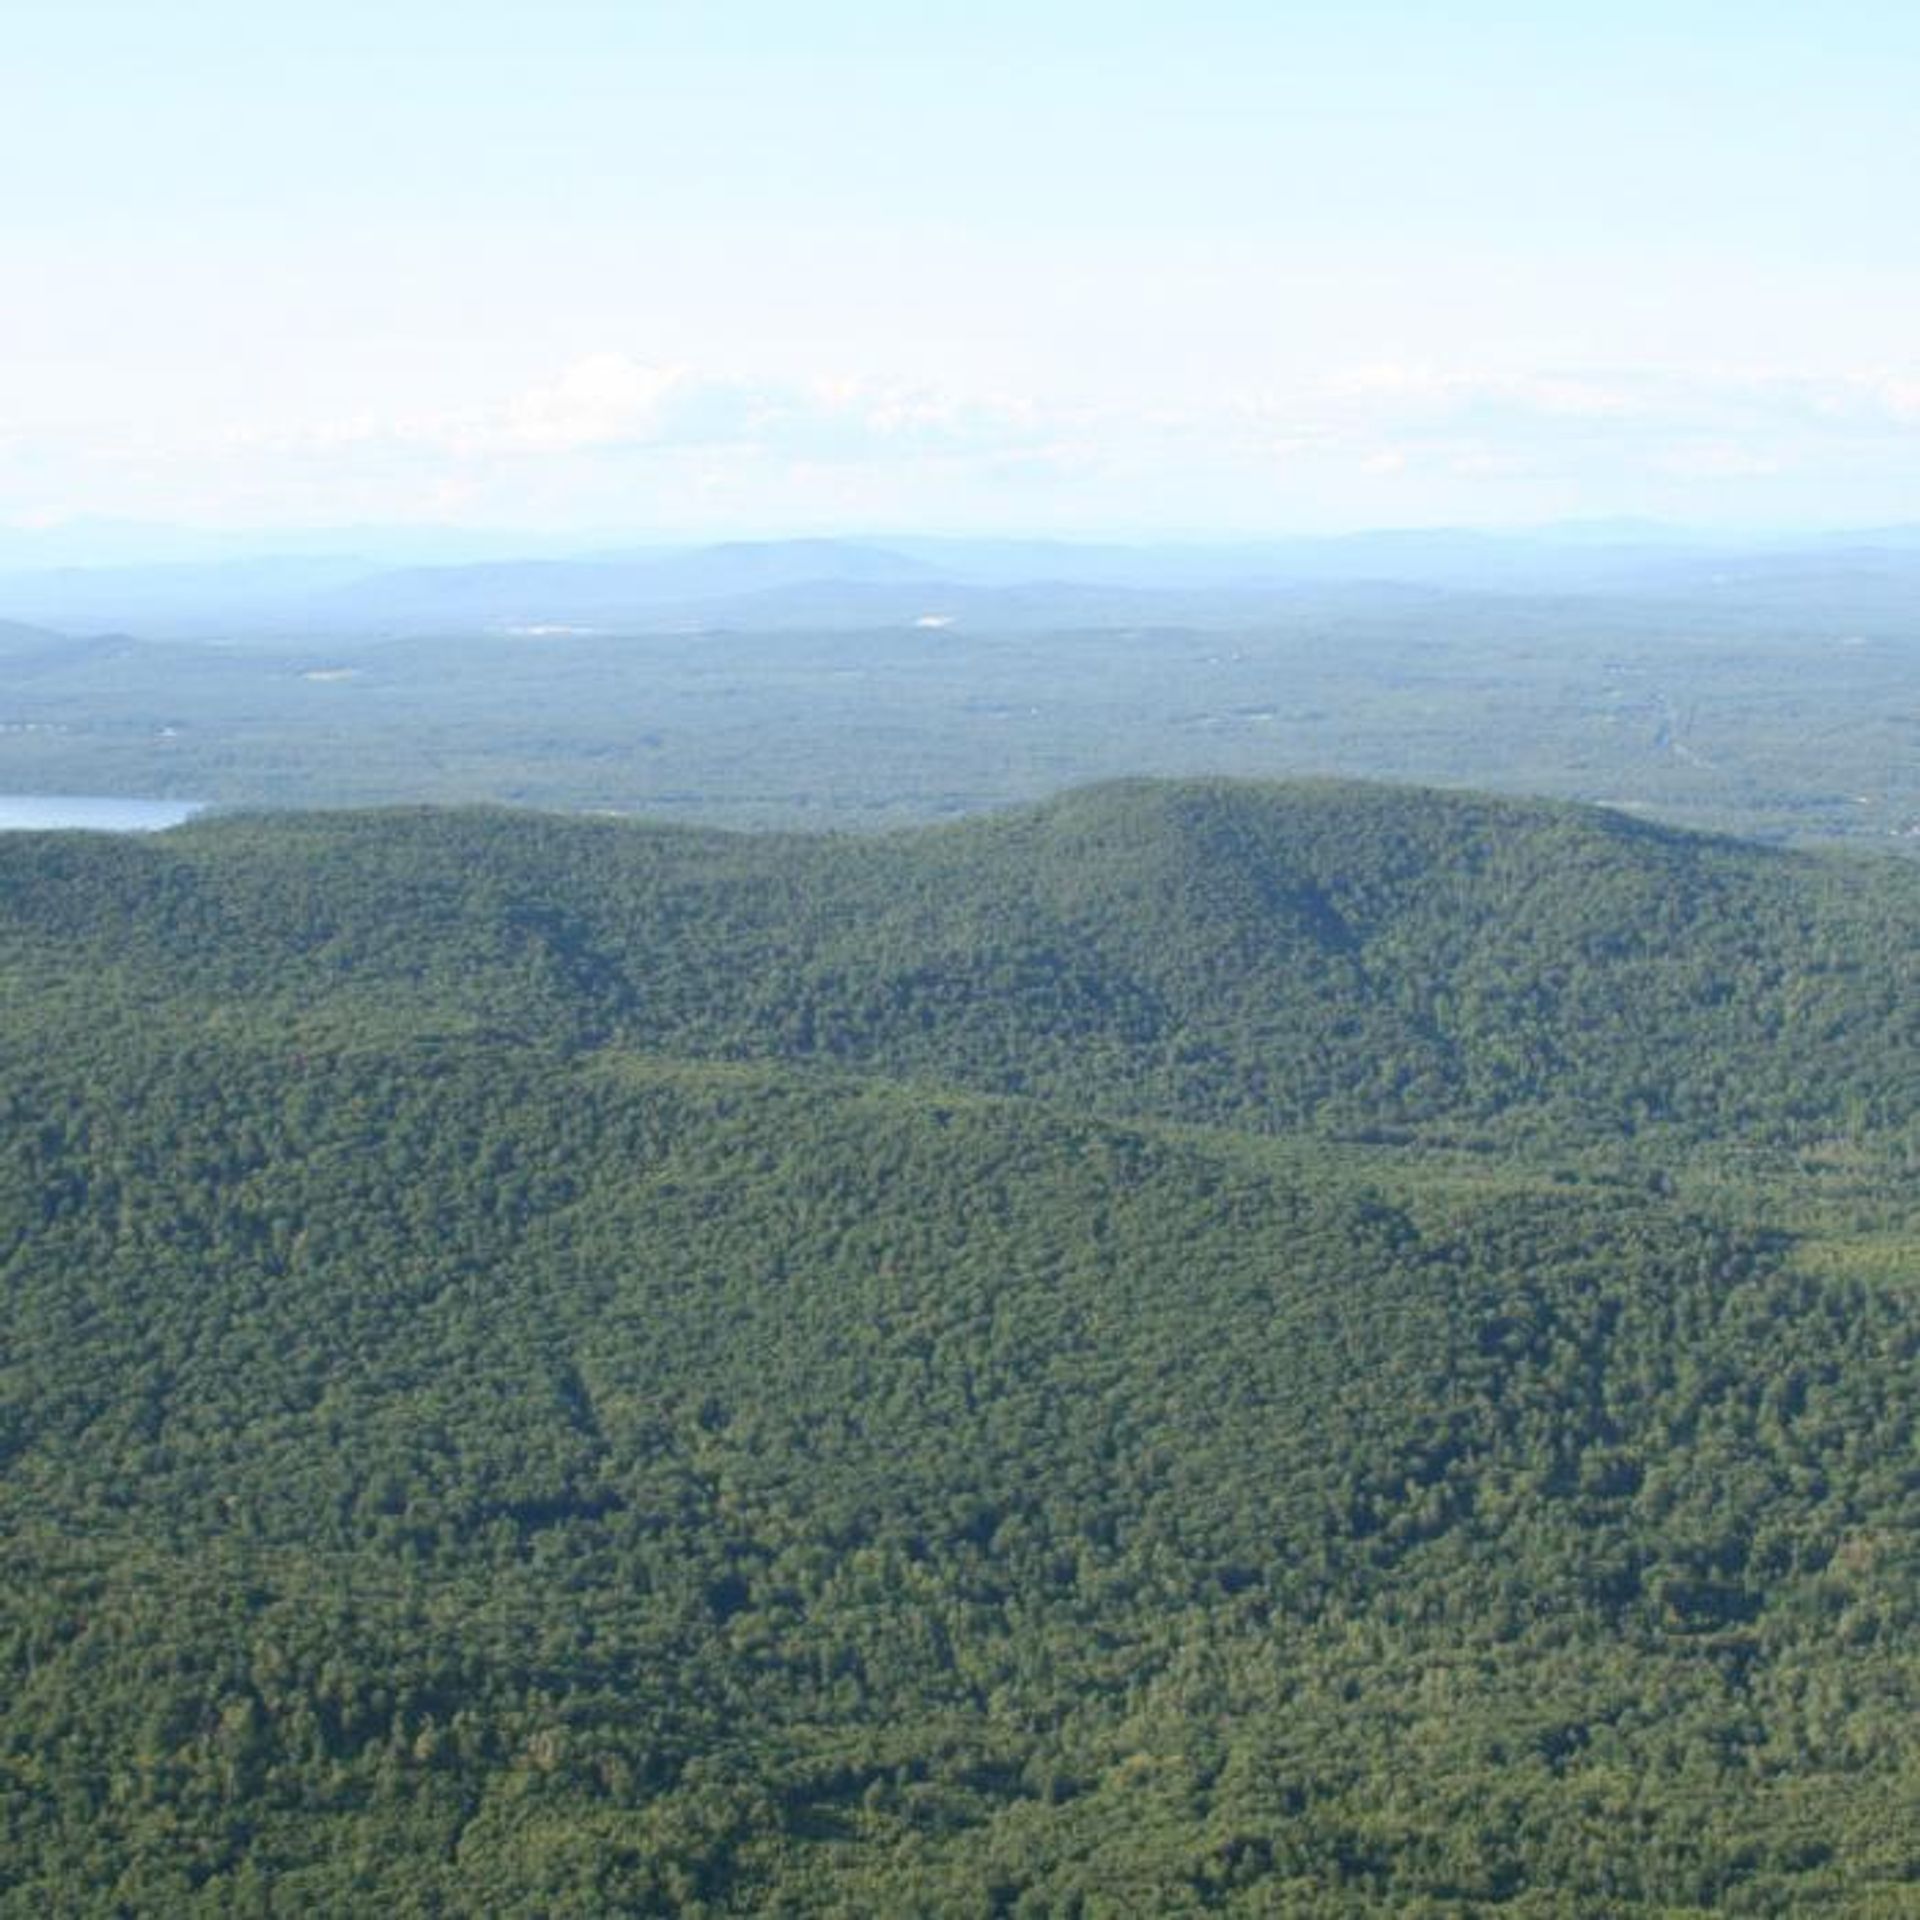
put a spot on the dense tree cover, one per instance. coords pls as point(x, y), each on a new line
point(1359, 958)
point(1743, 699)
point(537, 1380)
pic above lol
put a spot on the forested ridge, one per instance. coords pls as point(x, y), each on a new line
point(1196, 1348)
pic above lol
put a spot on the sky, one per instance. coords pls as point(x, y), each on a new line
point(672, 270)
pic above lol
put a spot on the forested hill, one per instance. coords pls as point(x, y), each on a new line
point(1353, 957)
point(1120, 1359)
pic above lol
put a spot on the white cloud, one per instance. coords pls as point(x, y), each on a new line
point(612, 437)
point(609, 401)
point(1900, 397)
point(1419, 390)
point(1719, 460)
point(604, 398)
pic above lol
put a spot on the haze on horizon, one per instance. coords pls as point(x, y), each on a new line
point(1068, 270)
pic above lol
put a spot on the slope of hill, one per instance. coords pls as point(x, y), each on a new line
point(570, 1368)
point(1268, 956)
point(24, 648)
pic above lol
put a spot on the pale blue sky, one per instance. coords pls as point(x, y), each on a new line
point(751, 268)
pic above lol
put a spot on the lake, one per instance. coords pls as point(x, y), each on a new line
point(36, 812)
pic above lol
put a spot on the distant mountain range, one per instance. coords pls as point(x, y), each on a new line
point(446, 585)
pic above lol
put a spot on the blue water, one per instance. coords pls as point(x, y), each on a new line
point(35, 812)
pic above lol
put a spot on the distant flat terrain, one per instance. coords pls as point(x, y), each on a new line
point(820, 685)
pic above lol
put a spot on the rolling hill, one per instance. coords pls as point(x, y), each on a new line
point(1194, 1348)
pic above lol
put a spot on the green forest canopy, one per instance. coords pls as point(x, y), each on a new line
point(1195, 1348)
